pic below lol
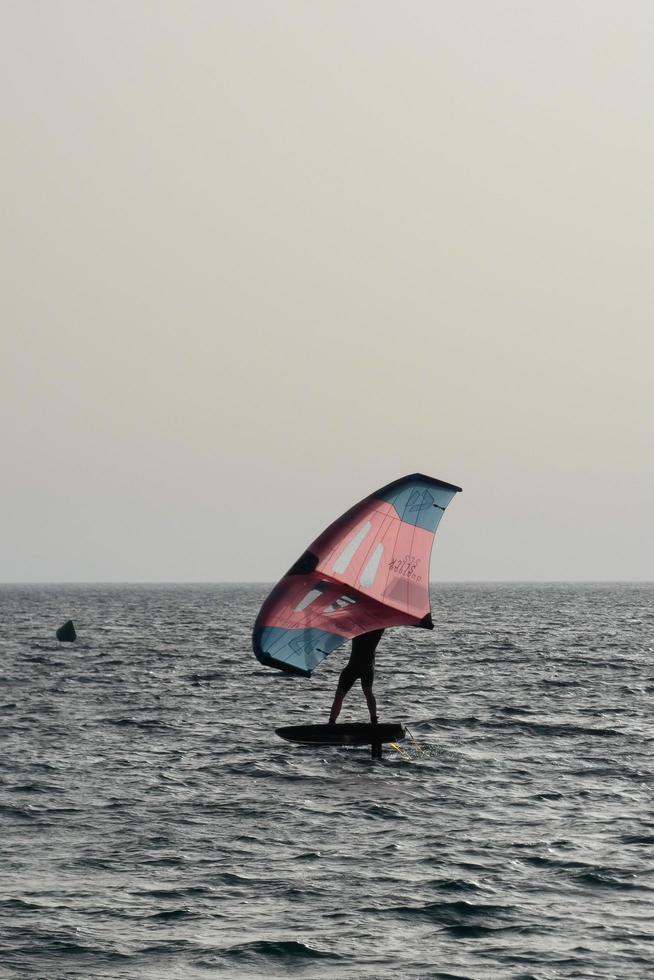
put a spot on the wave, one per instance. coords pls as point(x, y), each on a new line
point(461, 919)
point(595, 876)
point(458, 885)
point(34, 788)
point(53, 946)
point(146, 723)
point(191, 890)
point(172, 915)
point(19, 812)
point(557, 730)
point(637, 838)
point(18, 905)
point(278, 950)
point(608, 878)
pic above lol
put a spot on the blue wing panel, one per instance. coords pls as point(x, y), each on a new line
point(298, 651)
point(419, 500)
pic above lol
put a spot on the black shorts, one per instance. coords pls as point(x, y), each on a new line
point(361, 664)
point(353, 671)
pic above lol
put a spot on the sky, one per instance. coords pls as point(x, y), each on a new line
point(262, 258)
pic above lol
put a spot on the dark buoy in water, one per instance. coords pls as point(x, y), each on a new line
point(66, 633)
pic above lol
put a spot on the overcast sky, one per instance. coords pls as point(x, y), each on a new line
point(260, 258)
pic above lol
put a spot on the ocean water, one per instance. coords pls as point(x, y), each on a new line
point(153, 826)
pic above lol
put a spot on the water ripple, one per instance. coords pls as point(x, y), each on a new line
point(152, 826)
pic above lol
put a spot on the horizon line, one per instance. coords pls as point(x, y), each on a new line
point(270, 582)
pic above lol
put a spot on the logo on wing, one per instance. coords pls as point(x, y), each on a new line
point(419, 501)
point(407, 567)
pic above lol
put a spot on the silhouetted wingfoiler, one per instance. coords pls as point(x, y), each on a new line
point(66, 633)
point(367, 571)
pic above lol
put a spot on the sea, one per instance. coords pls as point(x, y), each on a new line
point(152, 825)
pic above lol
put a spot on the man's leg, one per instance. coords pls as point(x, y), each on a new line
point(370, 701)
point(337, 705)
point(345, 682)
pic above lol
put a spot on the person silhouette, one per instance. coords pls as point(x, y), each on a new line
point(361, 666)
